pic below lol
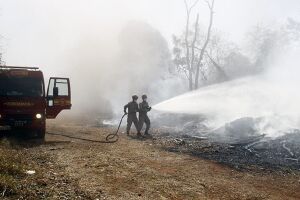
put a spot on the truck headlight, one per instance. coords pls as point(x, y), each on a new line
point(38, 116)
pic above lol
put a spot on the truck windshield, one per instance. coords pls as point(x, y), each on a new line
point(20, 86)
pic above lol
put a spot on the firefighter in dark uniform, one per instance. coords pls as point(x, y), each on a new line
point(143, 117)
point(133, 108)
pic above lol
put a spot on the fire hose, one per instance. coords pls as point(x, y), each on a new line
point(115, 135)
point(111, 138)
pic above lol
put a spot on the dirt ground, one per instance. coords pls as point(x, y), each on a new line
point(140, 169)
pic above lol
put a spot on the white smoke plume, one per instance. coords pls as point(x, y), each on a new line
point(272, 97)
point(106, 74)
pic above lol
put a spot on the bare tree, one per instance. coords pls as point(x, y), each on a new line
point(190, 50)
point(190, 61)
point(193, 47)
point(203, 49)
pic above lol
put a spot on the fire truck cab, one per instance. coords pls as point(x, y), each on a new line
point(25, 104)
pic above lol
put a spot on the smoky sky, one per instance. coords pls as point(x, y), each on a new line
point(83, 39)
point(54, 24)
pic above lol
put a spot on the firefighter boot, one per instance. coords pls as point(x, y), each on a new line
point(139, 134)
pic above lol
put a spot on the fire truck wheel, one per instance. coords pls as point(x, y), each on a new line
point(41, 134)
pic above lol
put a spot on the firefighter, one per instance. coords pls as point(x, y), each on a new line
point(143, 117)
point(133, 108)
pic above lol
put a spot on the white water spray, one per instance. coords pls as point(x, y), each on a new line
point(273, 98)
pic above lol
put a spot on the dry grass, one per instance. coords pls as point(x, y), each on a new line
point(49, 181)
point(130, 169)
point(12, 170)
point(136, 169)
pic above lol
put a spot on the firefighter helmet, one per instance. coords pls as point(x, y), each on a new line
point(144, 96)
point(135, 97)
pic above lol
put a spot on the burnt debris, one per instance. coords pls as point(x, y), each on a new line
point(237, 145)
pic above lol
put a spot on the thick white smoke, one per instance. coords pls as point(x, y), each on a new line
point(272, 97)
point(106, 71)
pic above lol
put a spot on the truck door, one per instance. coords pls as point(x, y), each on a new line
point(58, 96)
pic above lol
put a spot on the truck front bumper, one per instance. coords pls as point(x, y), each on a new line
point(21, 122)
point(5, 128)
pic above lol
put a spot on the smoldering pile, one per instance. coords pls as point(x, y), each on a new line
point(237, 144)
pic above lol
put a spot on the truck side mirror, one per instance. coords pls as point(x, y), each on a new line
point(55, 92)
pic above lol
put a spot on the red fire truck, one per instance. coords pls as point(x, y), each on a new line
point(24, 103)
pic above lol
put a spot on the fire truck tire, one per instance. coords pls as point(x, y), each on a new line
point(41, 134)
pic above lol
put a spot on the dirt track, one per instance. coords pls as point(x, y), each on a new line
point(134, 169)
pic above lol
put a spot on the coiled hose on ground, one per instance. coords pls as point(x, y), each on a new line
point(111, 138)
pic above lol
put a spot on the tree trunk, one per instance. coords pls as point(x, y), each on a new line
point(193, 48)
point(199, 64)
point(188, 61)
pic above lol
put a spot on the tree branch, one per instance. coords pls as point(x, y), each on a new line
point(211, 7)
point(193, 46)
point(195, 3)
point(218, 67)
point(187, 28)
